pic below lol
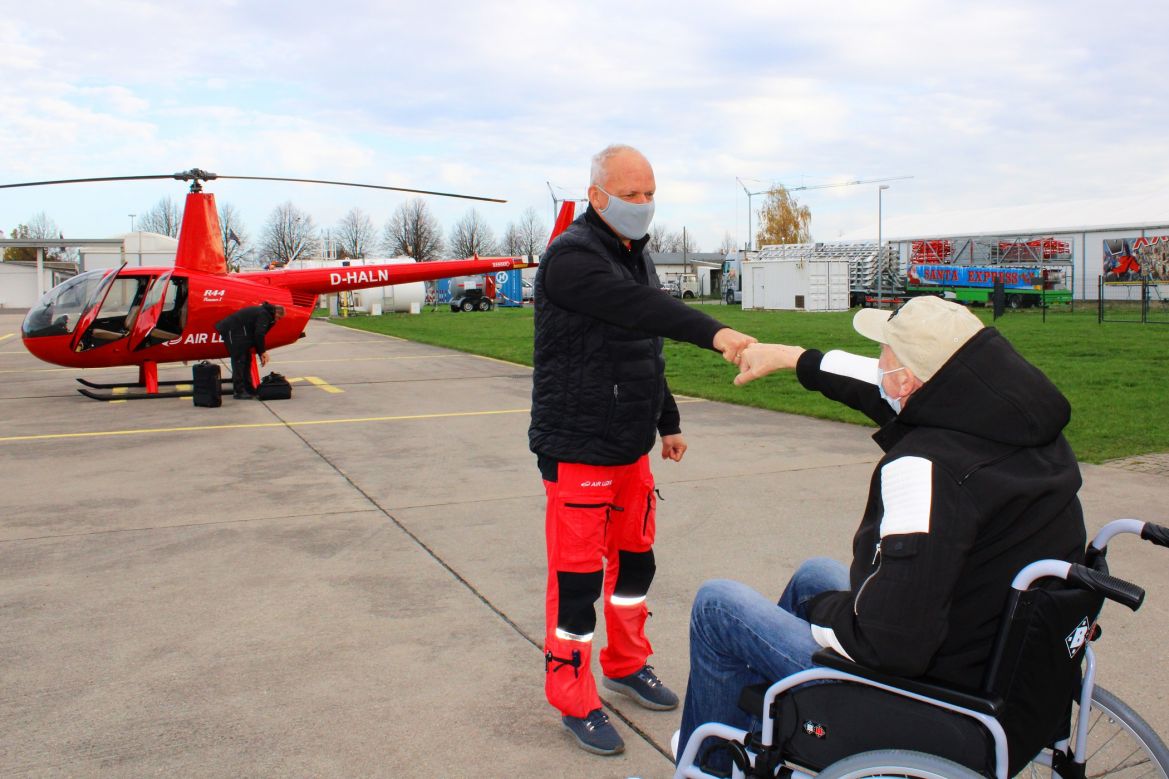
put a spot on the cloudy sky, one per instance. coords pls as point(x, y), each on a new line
point(983, 104)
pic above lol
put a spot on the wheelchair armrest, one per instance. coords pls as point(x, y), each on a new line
point(751, 698)
point(829, 658)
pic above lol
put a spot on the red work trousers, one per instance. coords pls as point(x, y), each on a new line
point(599, 527)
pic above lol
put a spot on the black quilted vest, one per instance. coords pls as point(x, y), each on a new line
point(597, 388)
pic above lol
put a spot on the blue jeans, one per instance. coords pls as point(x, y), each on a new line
point(738, 637)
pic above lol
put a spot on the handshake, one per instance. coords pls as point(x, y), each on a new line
point(754, 359)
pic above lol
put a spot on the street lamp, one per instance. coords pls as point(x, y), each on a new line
point(132, 222)
point(880, 252)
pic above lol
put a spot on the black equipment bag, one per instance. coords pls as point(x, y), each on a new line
point(208, 391)
point(274, 387)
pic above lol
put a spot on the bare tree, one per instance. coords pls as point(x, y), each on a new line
point(413, 232)
point(235, 236)
point(728, 244)
point(354, 234)
point(662, 239)
point(289, 235)
point(533, 235)
point(659, 237)
point(39, 228)
point(511, 242)
point(165, 218)
point(472, 236)
point(782, 219)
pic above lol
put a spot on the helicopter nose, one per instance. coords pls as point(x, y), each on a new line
point(50, 348)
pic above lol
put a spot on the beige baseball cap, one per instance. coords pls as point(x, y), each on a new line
point(923, 332)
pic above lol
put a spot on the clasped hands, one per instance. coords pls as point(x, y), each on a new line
point(754, 359)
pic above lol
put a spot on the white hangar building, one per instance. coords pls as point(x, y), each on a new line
point(1105, 238)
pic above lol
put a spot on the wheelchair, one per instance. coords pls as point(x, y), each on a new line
point(1038, 712)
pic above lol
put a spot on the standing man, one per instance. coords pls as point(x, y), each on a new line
point(241, 332)
point(599, 400)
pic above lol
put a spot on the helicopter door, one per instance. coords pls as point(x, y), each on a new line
point(151, 310)
point(93, 305)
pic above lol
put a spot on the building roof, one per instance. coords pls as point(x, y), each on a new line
point(1129, 212)
point(138, 241)
point(696, 258)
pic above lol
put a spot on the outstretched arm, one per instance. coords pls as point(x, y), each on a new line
point(846, 378)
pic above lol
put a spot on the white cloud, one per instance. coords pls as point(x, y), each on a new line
point(983, 104)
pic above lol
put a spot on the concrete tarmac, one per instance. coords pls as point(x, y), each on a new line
point(351, 582)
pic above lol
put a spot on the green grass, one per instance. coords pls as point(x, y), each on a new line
point(1113, 373)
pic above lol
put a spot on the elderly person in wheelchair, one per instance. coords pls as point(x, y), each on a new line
point(977, 481)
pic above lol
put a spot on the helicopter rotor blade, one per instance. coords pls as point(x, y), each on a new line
point(86, 181)
point(197, 175)
point(369, 186)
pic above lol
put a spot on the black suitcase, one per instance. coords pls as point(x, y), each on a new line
point(274, 387)
point(208, 390)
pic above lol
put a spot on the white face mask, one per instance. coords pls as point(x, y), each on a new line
point(894, 403)
point(630, 220)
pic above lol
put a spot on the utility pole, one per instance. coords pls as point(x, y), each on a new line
point(750, 194)
point(880, 251)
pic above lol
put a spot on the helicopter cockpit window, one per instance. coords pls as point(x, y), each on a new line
point(59, 310)
point(118, 310)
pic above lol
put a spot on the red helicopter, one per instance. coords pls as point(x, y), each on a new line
point(146, 316)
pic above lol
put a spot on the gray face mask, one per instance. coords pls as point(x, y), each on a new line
point(630, 220)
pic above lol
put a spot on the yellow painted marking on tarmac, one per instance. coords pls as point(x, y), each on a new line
point(258, 425)
point(6, 336)
point(326, 386)
point(40, 370)
point(367, 332)
point(282, 362)
point(382, 358)
point(339, 343)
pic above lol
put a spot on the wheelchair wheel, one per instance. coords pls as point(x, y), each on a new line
point(897, 763)
point(1120, 743)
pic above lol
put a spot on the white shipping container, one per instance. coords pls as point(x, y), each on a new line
point(796, 285)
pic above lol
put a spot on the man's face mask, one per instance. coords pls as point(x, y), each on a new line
point(630, 220)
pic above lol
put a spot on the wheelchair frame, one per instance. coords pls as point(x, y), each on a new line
point(750, 746)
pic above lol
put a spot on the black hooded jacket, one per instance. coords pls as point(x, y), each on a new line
point(977, 481)
point(599, 393)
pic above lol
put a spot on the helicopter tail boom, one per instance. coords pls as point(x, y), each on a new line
point(323, 281)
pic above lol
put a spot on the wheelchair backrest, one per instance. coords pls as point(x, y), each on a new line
point(1035, 667)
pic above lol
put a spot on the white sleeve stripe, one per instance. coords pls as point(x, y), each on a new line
point(852, 365)
point(826, 637)
point(907, 494)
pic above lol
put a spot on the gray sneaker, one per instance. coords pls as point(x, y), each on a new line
point(646, 688)
point(594, 733)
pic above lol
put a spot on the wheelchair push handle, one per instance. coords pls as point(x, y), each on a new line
point(1124, 593)
point(1158, 534)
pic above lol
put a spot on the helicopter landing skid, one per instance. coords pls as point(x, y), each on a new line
point(131, 394)
point(94, 385)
